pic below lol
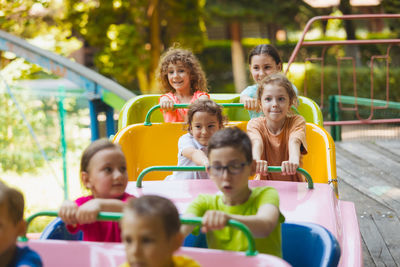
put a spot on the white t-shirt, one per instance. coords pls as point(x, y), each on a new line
point(187, 140)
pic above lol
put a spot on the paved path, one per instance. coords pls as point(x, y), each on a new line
point(369, 176)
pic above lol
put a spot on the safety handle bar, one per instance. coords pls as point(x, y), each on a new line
point(150, 112)
point(251, 250)
point(102, 216)
point(203, 168)
point(116, 216)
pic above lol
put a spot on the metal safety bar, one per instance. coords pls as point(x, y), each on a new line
point(116, 216)
point(150, 112)
point(203, 169)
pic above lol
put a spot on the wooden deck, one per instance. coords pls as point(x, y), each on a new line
point(369, 176)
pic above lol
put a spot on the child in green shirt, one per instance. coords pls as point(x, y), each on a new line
point(231, 165)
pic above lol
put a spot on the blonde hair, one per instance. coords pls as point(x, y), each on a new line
point(278, 79)
point(198, 81)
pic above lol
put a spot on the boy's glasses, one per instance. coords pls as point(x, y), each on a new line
point(218, 170)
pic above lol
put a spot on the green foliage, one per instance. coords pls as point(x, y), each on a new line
point(121, 32)
point(17, 149)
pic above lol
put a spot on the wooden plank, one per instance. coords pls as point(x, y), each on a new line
point(358, 174)
point(375, 243)
point(392, 146)
point(389, 227)
point(379, 164)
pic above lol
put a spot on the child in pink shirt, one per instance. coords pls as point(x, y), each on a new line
point(183, 80)
point(103, 172)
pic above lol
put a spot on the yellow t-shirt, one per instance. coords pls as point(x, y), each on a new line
point(179, 261)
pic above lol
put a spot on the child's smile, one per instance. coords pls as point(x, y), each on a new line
point(179, 77)
point(275, 105)
point(203, 126)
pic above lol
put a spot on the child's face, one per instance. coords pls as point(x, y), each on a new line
point(203, 126)
point(263, 65)
point(8, 230)
point(275, 103)
point(106, 176)
point(232, 182)
point(179, 77)
point(146, 242)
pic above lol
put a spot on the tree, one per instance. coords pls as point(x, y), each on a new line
point(129, 36)
point(274, 13)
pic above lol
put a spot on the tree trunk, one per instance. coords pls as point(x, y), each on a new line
point(351, 50)
point(146, 78)
point(155, 42)
point(237, 55)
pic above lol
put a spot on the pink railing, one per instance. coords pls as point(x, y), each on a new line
point(389, 42)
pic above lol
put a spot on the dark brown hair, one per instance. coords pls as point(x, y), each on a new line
point(265, 49)
point(280, 80)
point(208, 106)
point(156, 206)
point(14, 202)
point(198, 81)
point(231, 137)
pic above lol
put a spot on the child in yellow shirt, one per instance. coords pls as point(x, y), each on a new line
point(150, 232)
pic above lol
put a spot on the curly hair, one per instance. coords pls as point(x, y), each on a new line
point(198, 81)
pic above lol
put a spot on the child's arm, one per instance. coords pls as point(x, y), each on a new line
point(258, 149)
point(68, 211)
point(87, 213)
point(196, 155)
point(186, 229)
point(290, 166)
point(260, 225)
point(166, 103)
point(249, 102)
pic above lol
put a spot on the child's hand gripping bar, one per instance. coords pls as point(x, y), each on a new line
point(251, 250)
point(102, 216)
point(225, 105)
point(116, 216)
point(150, 112)
point(203, 168)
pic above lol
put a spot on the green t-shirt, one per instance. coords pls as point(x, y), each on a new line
point(229, 238)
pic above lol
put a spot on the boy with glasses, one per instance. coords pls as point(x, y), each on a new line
point(231, 165)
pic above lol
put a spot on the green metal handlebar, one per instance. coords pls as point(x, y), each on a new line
point(102, 216)
point(251, 250)
point(150, 112)
point(203, 168)
point(116, 216)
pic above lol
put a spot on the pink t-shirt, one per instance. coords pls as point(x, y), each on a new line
point(179, 115)
point(98, 231)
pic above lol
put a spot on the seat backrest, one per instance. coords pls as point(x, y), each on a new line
point(309, 244)
point(56, 230)
point(135, 110)
point(157, 145)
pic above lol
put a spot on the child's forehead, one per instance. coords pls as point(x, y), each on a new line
point(274, 89)
point(231, 153)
